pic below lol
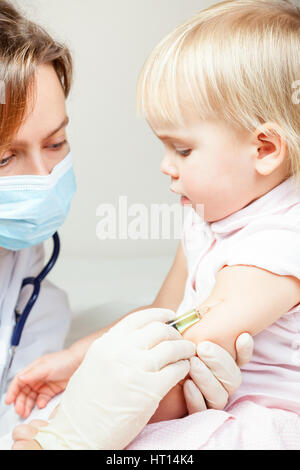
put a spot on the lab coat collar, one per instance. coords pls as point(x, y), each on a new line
point(285, 195)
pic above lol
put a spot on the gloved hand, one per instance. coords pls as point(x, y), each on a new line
point(215, 375)
point(120, 383)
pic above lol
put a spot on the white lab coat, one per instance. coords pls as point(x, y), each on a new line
point(46, 327)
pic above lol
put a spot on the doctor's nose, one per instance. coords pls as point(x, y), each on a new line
point(34, 164)
point(169, 169)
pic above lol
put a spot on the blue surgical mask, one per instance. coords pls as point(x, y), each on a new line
point(33, 208)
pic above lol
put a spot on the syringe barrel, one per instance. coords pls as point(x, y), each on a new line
point(185, 321)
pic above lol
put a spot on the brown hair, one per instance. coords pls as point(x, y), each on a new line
point(23, 47)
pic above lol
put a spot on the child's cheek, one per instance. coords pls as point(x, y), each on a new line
point(198, 189)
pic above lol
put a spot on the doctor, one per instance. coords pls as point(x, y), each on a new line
point(35, 74)
point(36, 187)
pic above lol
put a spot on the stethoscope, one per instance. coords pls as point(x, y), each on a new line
point(21, 318)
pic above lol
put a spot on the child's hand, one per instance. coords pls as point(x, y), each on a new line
point(26, 432)
point(39, 382)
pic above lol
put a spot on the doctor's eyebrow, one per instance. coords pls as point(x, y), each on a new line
point(65, 122)
point(62, 125)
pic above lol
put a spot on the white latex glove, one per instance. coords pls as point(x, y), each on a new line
point(215, 375)
point(120, 383)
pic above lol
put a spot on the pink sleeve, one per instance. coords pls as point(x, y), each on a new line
point(275, 250)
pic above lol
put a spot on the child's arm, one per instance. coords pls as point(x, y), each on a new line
point(253, 299)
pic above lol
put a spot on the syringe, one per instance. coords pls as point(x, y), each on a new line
point(188, 319)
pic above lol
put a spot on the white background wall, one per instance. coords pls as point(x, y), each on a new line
point(115, 153)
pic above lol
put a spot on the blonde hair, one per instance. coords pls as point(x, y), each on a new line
point(23, 47)
point(237, 61)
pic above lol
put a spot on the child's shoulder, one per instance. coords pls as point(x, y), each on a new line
point(271, 242)
point(286, 220)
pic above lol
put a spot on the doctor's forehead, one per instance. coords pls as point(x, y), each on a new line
point(46, 108)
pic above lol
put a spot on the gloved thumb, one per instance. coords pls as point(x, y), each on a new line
point(244, 349)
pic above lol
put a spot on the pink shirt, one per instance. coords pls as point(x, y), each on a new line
point(266, 234)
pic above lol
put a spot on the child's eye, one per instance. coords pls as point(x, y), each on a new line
point(184, 153)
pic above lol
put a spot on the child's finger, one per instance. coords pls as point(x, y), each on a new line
point(13, 390)
point(33, 375)
point(26, 377)
point(29, 403)
point(43, 400)
point(20, 403)
point(47, 392)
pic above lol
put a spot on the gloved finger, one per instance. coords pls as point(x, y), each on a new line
point(193, 397)
point(221, 364)
point(214, 393)
point(27, 431)
point(143, 317)
point(167, 352)
point(244, 349)
point(154, 333)
point(170, 375)
point(37, 423)
point(20, 445)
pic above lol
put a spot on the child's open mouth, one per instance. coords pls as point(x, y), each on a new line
point(184, 200)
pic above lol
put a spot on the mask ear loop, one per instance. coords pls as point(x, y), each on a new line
point(190, 318)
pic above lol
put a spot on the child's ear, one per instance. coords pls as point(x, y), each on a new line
point(271, 149)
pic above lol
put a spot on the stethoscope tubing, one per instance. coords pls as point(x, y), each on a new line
point(36, 283)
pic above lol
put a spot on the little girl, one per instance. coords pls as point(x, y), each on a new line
point(219, 91)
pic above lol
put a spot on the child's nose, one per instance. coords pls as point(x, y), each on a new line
point(167, 168)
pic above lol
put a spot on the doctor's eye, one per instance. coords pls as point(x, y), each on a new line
point(57, 146)
point(5, 161)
